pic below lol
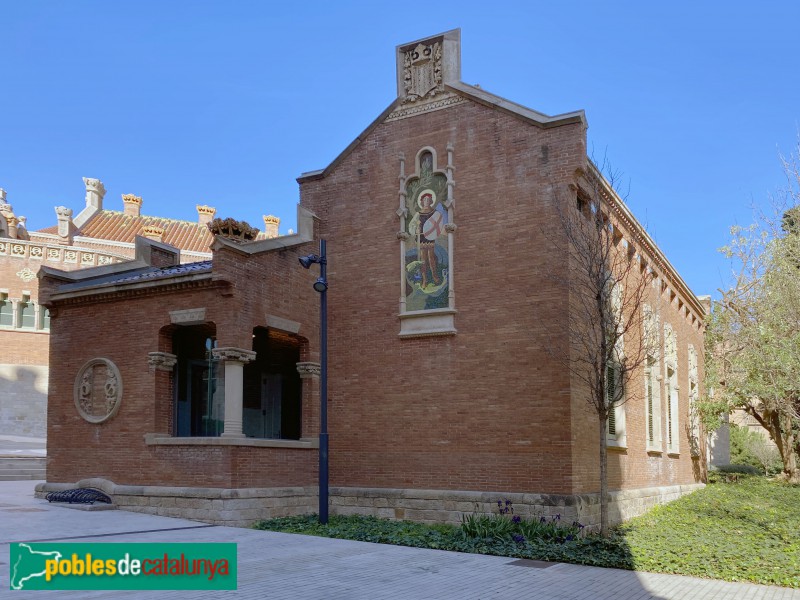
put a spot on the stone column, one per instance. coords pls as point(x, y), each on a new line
point(234, 360)
point(16, 313)
point(309, 376)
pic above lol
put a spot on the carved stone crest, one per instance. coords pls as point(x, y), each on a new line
point(98, 390)
point(422, 72)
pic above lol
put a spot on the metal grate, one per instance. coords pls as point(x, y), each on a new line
point(79, 496)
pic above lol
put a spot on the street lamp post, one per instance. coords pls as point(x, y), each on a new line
point(321, 286)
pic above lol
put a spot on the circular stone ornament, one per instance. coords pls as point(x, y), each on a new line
point(98, 390)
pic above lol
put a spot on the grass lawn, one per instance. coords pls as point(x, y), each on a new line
point(745, 531)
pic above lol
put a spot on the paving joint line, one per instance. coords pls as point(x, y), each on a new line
point(80, 537)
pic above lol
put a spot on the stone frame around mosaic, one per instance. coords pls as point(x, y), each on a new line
point(438, 321)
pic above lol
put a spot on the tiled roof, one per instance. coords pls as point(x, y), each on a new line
point(138, 275)
point(195, 267)
point(117, 226)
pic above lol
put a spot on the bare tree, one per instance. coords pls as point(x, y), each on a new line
point(764, 451)
point(609, 285)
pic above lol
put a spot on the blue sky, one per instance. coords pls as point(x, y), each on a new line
point(227, 102)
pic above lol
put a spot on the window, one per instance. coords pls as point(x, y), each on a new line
point(614, 400)
point(611, 396)
point(44, 319)
point(652, 381)
point(672, 404)
point(6, 311)
point(27, 313)
point(614, 383)
point(653, 404)
point(272, 401)
point(200, 389)
point(694, 417)
point(672, 412)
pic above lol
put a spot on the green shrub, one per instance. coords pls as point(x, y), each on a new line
point(749, 447)
point(743, 532)
point(505, 525)
point(740, 469)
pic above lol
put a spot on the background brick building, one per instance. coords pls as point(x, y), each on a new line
point(95, 236)
point(443, 393)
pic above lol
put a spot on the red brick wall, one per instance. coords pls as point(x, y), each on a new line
point(635, 466)
point(482, 410)
point(124, 330)
point(485, 409)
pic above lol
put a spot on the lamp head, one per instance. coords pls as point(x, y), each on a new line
point(320, 285)
point(309, 260)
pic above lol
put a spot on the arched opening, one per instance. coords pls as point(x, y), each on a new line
point(272, 391)
point(200, 389)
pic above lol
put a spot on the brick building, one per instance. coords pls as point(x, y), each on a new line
point(94, 237)
point(196, 391)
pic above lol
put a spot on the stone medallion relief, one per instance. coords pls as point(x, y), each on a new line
point(98, 390)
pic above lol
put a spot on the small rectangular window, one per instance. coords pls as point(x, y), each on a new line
point(611, 392)
point(672, 411)
point(27, 313)
point(6, 311)
point(45, 319)
point(651, 426)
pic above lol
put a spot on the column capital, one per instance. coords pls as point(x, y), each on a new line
point(161, 361)
point(308, 369)
point(234, 355)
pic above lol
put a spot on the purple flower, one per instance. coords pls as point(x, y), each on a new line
point(519, 538)
point(516, 519)
point(542, 520)
point(570, 537)
point(500, 504)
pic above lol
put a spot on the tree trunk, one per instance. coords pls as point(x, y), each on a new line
point(791, 471)
point(603, 479)
point(780, 430)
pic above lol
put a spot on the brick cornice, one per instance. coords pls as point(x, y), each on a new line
point(112, 294)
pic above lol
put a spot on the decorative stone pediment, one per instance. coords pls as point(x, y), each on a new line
point(98, 390)
point(238, 231)
point(424, 68)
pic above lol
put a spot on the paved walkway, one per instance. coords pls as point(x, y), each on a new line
point(284, 566)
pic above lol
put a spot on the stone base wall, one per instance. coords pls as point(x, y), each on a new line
point(232, 507)
point(243, 507)
point(441, 506)
point(23, 400)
